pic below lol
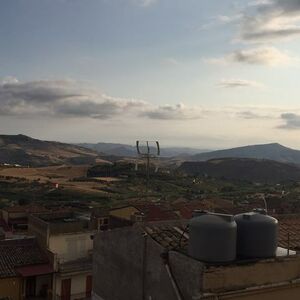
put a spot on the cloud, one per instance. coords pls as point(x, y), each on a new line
point(238, 83)
point(292, 121)
point(262, 55)
point(67, 99)
point(63, 98)
point(221, 20)
point(8, 79)
point(145, 3)
point(171, 61)
point(269, 56)
point(250, 115)
point(174, 112)
point(266, 21)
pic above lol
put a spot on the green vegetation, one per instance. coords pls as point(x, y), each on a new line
point(162, 186)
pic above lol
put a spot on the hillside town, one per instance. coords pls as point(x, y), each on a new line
point(149, 150)
point(71, 253)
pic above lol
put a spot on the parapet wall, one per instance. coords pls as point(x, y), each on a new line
point(263, 272)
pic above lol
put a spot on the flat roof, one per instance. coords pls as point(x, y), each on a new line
point(174, 236)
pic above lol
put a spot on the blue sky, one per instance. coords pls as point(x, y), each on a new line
point(194, 73)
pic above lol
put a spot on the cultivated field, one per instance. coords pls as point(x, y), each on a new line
point(68, 177)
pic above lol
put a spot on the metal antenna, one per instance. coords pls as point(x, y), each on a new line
point(147, 152)
point(265, 202)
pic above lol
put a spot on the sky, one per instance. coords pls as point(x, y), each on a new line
point(206, 74)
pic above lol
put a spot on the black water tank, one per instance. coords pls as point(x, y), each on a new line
point(256, 235)
point(212, 237)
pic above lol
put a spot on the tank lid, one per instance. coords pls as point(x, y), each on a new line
point(255, 216)
point(199, 213)
point(261, 211)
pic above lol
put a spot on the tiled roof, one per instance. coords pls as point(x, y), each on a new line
point(17, 253)
point(289, 231)
point(170, 235)
point(156, 212)
point(174, 235)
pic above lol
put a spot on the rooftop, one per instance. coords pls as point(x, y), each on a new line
point(60, 222)
point(25, 209)
point(289, 231)
point(173, 235)
point(19, 253)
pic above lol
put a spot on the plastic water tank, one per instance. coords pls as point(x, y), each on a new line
point(256, 235)
point(212, 237)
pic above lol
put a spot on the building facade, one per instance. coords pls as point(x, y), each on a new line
point(67, 238)
point(25, 270)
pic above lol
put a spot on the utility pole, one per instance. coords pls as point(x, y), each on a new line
point(145, 151)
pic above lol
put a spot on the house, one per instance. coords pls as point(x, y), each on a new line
point(16, 217)
point(150, 261)
point(67, 238)
point(104, 219)
point(25, 270)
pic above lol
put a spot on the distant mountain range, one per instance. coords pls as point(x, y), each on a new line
point(259, 163)
point(23, 150)
point(253, 170)
point(272, 151)
point(130, 151)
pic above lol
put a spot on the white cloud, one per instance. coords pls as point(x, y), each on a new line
point(174, 112)
point(61, 98)
point(8, 79)
point(269, 56)
point(252, 115)
point(145, 3)
point(221, 20)
point(67, 98)
point(238, 83)
point(270, 21)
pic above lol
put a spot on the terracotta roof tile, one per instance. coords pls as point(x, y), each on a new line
point(174, 236)
point(17, 253)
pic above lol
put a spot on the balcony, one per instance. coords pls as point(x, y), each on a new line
point(78, 265)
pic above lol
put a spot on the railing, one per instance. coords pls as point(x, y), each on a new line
point(81, 296)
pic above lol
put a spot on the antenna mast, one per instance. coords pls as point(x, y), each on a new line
point(146, 152)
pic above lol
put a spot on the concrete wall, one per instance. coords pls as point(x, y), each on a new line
point(237, 277)
point(78, 283)
point(39, 229)
point(11, 288)
point(41, 281)
point(121, 259)
point(187, 273)
point(71, 246)
point(289, 291)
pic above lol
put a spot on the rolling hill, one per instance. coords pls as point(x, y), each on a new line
point(247, 169)
point(130, 151)
point(23, 150)
point(272, 151)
